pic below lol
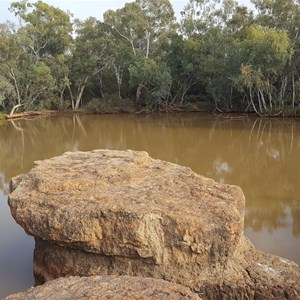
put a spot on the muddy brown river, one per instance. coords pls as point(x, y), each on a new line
point(260, 155)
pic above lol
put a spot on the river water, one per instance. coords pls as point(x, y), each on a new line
point(260, 155)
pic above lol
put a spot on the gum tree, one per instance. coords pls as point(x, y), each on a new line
point(145, 26)
point(266, 53)
point(31, 52)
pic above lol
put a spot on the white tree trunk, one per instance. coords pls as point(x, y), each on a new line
point(14, 108)
point(19, 104)
point(79, 96)
point(148, 34)
point(119, 79)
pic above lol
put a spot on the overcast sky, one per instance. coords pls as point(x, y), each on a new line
point(83, 9)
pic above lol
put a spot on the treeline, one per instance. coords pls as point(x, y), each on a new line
point(139, 56)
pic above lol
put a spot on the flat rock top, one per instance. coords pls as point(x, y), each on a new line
point(107, 287)
point(88, 198)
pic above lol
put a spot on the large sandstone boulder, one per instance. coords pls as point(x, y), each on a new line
point(122, 212)
point(107, 287)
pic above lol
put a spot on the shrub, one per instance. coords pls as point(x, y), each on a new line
point(110, 104)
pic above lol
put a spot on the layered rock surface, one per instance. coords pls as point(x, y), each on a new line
point(250, 274)
point(122, 212)
point(107, 287)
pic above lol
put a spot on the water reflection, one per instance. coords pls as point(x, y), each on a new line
point(260, 155)
point(16, 270)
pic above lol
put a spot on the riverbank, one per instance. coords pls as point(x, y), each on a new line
point(199, 106)
point(130, 110)
point(43, 113)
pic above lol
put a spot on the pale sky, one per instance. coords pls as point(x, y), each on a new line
point(83, 9)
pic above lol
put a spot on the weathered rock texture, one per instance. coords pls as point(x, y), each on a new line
point(107, 287)
point(122, 212)
point(250, 274)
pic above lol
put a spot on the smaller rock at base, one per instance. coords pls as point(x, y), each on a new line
point(107, 287)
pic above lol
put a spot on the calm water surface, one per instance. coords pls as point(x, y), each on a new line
point(260, 155)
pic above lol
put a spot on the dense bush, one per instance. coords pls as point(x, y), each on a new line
point(230, 57)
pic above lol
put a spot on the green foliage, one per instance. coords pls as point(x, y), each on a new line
point(232, 57)
point(6, 90)
point(153, 76)
point(47, 27)
point(267, 48)
point(30, 55)
point(266, 52)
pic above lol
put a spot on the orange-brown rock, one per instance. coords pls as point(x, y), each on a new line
point(107, 287)
point(122, 212)
point(124, 203)
point(250, 274)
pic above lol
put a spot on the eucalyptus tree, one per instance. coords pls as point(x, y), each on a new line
point(23, 82)
point(278, 14)
point(186, 65)
point(49, 28)
point(12, 53)
point(121, 59)
point(29, 52)
point(156, 79)
point(266, 53)
point(284, 15)
point(159, 23)
point(90, 57)
point(145, 26)
point(120, 56)
point(221, 57)
point(199, 16)
point(215, 27)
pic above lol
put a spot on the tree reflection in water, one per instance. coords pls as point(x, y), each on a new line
point(277, 148)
